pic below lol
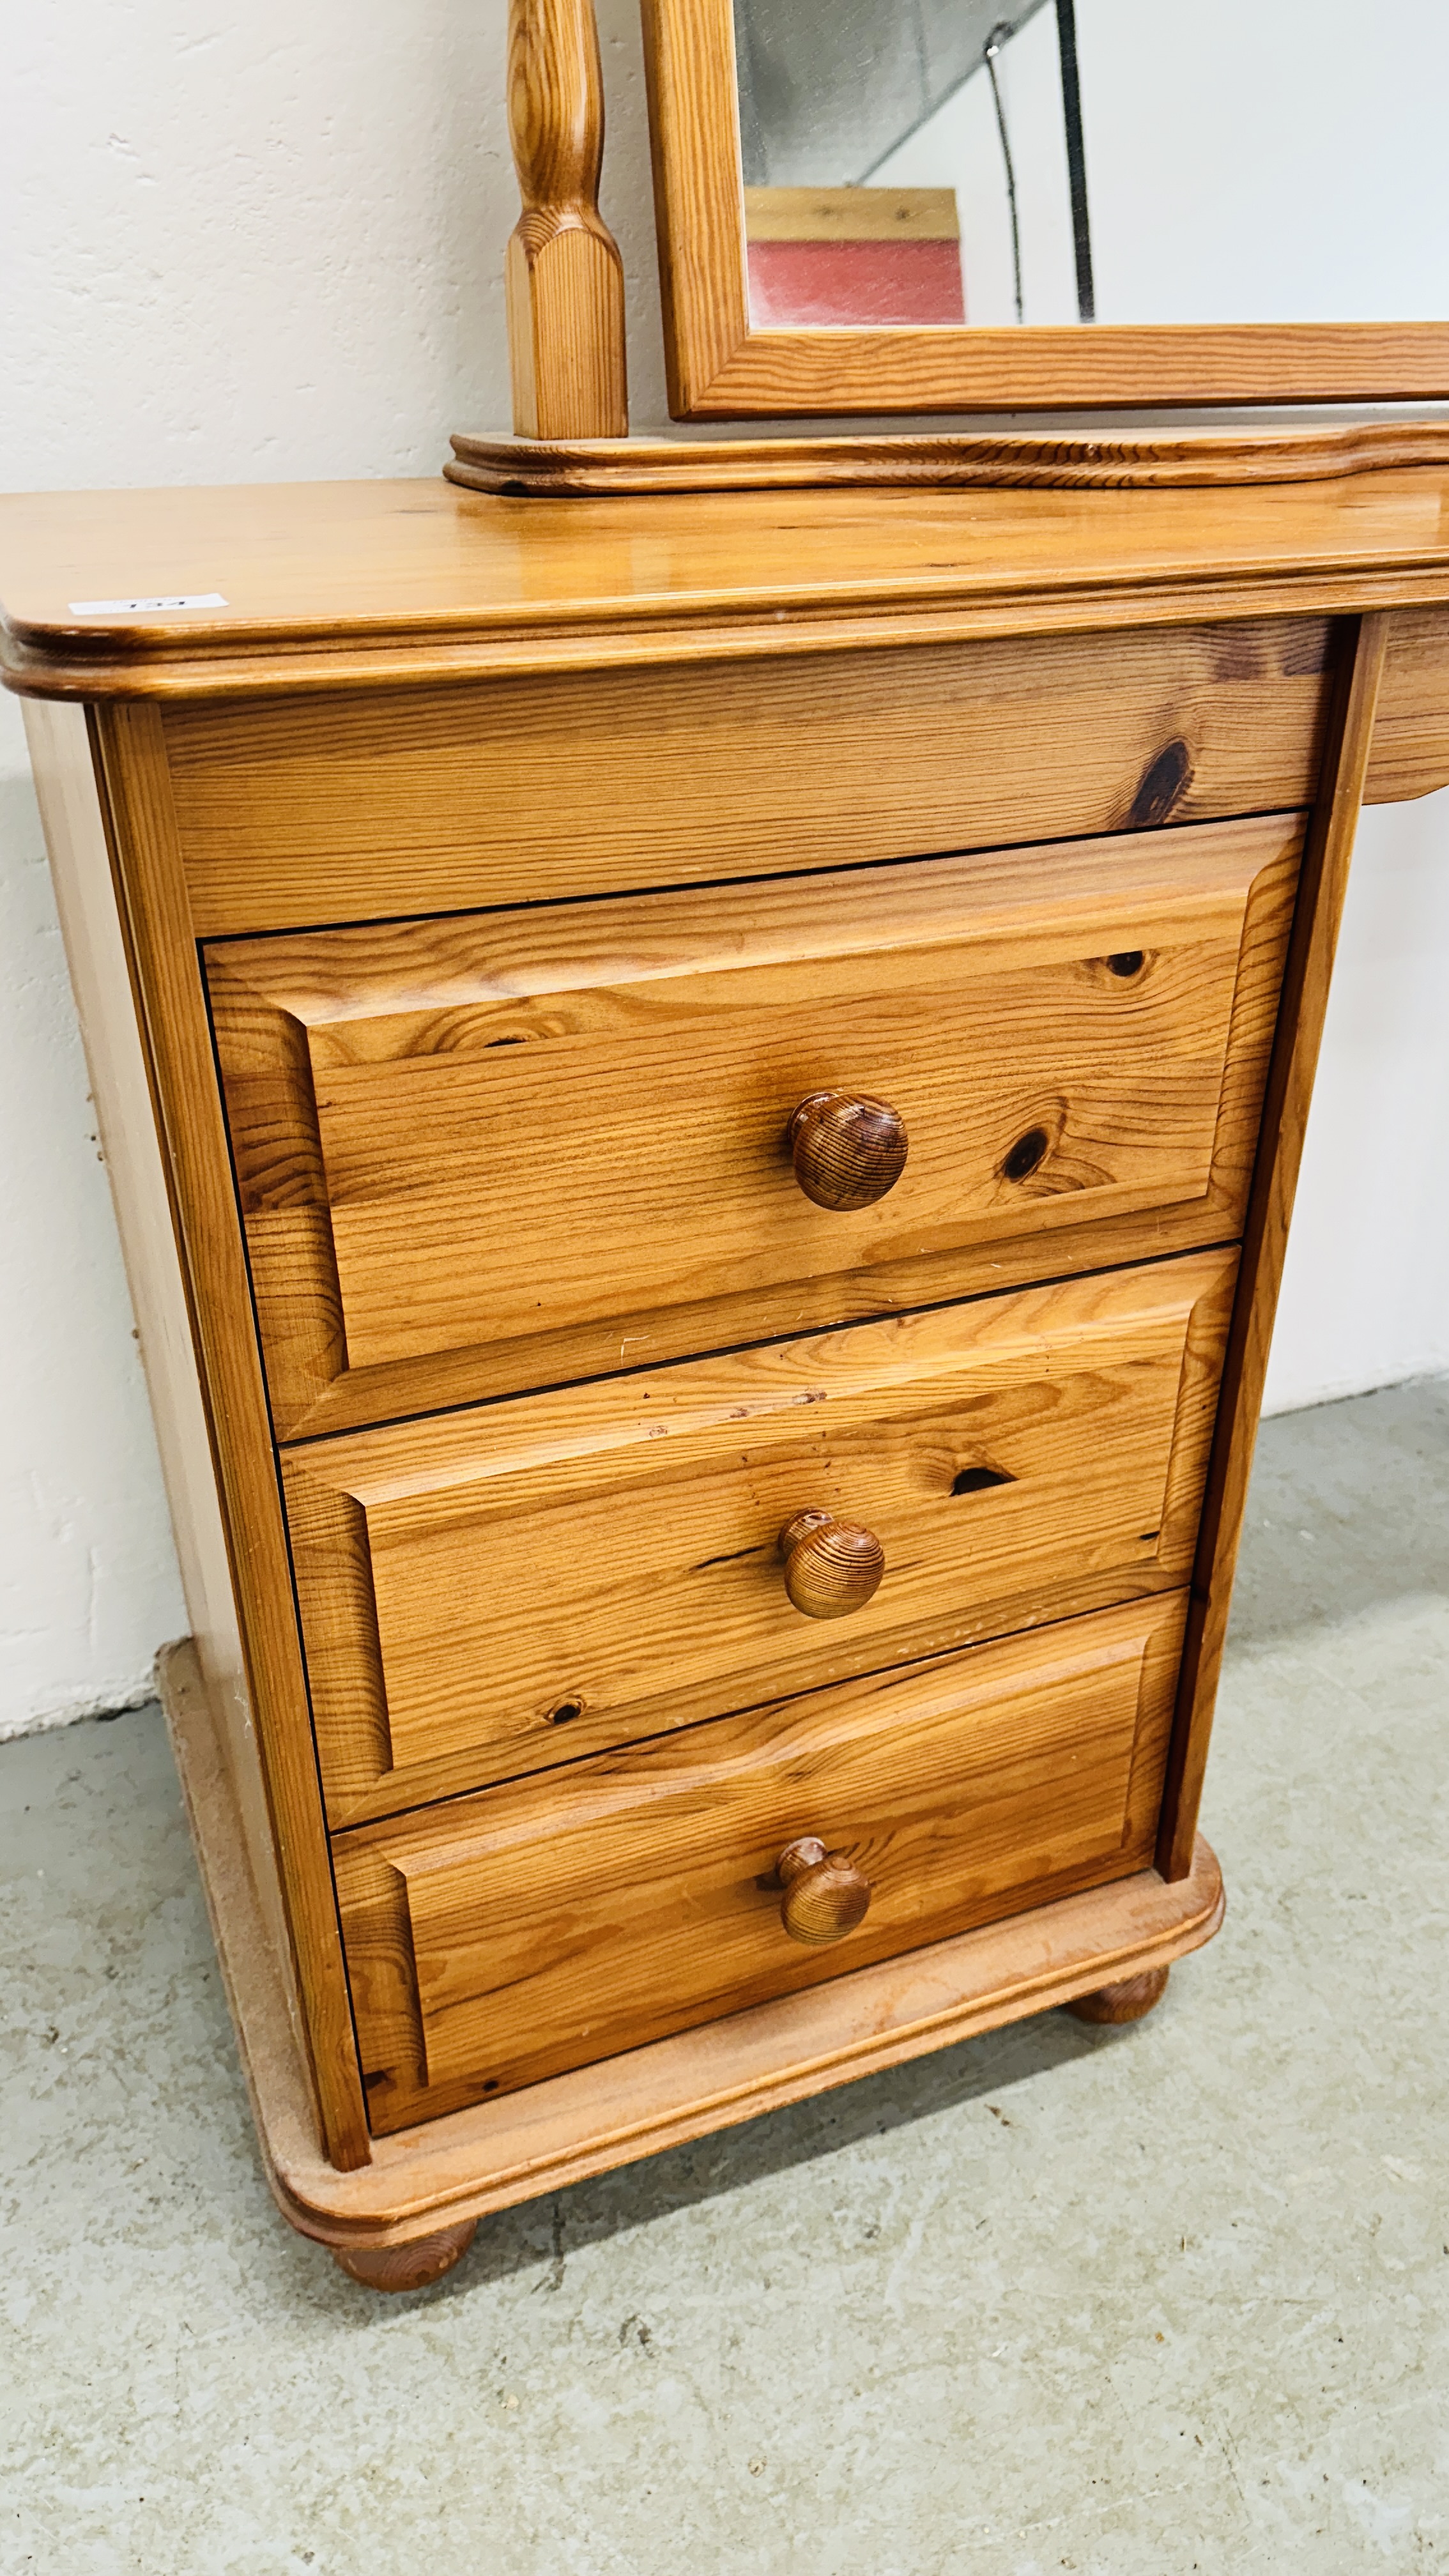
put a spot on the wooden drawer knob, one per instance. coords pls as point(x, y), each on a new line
point(831, 1567)
point(825, 1894)
point(848, 1150)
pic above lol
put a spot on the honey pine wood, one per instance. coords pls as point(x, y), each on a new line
point(833, 1567)
point(824, 1896)
point(374, 727)
point(402, 584)
point(446, 1648)
point(1275, 1181)
point(75, 829)
point(166, 976)
point(407, 2267)
point(447, 1134)
point(719, 368)
point(944, 460)
point(303, 814)
point(507, 1938)
point(851, 214)
point(1130, 2000)
point(846, 1150)
point(512, 2147)
point(565, 278)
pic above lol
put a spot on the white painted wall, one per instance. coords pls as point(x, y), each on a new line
point(266, 245)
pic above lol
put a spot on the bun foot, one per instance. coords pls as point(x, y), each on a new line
point(1125, 2002)
point(407, 2267)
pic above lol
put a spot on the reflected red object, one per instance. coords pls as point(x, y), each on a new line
point(800, 283)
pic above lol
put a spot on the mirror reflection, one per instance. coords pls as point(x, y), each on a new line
point(1069, 161)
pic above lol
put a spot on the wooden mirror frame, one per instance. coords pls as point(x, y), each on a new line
point(720, 368)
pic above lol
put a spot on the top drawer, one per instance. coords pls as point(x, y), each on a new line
point(324, 808)
point(514, 1148)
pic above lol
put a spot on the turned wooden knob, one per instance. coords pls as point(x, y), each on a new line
point(825, 1894)
point(848, 1150)
point(831, 1566)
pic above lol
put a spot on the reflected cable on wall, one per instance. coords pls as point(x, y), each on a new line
point(1000, 35)
point(1076, 159)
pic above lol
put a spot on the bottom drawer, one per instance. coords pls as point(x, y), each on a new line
point(511, 1935)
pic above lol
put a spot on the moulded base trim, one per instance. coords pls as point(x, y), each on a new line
point(456, 2168)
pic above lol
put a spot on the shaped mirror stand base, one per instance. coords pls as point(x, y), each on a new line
point(944, 460)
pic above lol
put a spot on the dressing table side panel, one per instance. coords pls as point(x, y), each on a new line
point(75, 834)
point(164, 972)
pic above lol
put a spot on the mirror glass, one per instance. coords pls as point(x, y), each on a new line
point(1120, 161)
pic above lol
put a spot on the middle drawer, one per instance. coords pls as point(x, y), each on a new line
point(493, 1592)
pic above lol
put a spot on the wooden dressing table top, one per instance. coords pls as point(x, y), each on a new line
point(328, 583)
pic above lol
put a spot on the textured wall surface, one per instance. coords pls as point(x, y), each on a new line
point(268, 246)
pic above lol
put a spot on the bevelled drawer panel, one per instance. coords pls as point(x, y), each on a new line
point(322, 809)
point(506, 1937)
point(520, 1147)
point(487, 1593)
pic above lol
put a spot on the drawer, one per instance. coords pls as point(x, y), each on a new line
point(520, 1585)
point(518, 1148)
point(510, 1936)
point(400, 801)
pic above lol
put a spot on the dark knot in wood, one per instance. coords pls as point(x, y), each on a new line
point(1162, 786)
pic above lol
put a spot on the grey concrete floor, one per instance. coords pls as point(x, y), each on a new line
point(1163, 2300)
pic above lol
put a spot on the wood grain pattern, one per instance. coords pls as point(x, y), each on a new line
point(407, 2267)
point(1130, 2000)
point(944, 460)
point(851, 214)
point(166, 975)
point(419, 797)
point(488, 1593)
point(505, 1938)
point(847, 1149)
point(1322, 888)
point(719, 368)
point(832, 1567)
point(400, 585)
point(302, 814)
point(565, 278)
point(514, 2146)
point(80, 861)
point(448, 1135)
point(824, 1895)
point(1409, 748)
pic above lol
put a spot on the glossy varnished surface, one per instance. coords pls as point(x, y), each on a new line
point(1217, 664)
point(499, 1940)
point(945, 460)
point(564, 276)
point(505, 1589)
point(483, 1153)
point(511, 2147)
point(720, 367)
point(395, 580)
point(356, 806)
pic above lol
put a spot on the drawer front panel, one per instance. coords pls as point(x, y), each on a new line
point(490, 1593)
point(510, 1936)
point(455, 1140)
point(327, 809)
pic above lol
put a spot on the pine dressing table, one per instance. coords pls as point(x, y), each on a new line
point(704, 1095)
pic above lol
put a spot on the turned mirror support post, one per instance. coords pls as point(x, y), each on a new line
point(565, 276)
